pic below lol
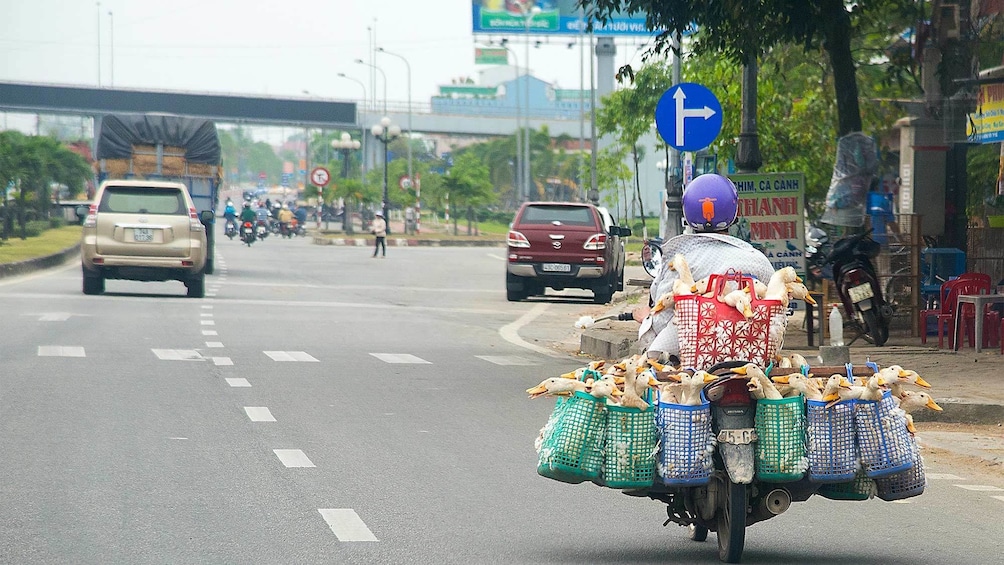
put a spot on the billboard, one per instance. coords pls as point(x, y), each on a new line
point(556, 17)
point(771, 209)
point(986, 125)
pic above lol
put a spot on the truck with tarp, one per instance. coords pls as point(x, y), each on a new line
point(164, 147)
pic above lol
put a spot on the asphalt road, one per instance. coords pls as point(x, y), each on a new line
point(320, 406)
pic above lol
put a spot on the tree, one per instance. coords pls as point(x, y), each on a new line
point(469, 185)
point(725, 27)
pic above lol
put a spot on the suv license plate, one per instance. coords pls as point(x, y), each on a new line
point(142, 234)
point(741, 436)
point(860, 292)
point(556, 267)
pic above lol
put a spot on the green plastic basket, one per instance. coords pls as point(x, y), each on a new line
point(780, 448)
point(630, 448)
point(861, 488)
point(571, 449)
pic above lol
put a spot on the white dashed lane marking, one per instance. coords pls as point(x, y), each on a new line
point(399, 358)
point(177, 354)
point(293, 458)
point(290, 356)
point(210, 332)
point(980, 487)
point(54, 317)
point(505, 359)
point(207, 322)
point(1000, 498)
point(206, 314)
point(239, 383)
point(259, 414)
point(60, 351)
point(222, 361)
point(216, 344)
point(346, 524)
point(207, 306)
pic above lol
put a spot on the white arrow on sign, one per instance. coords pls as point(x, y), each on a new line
point(682, 113)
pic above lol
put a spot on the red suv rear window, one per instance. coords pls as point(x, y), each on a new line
point(566, 215)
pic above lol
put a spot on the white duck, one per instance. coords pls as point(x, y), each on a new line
point(556, 386)
point(755, 373)
point(913, 400)
point(799, 291)
point(777, 286)
point(631, 398)
point(800, 384)
point(833, 386)
point(740, 300)
point(605, 388)
point(684, 285)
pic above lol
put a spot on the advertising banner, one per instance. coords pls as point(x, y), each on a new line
point(556, 17)
point(986, 125)
point(490, 56)
point(771, 209)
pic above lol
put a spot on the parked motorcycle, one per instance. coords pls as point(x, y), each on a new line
point(248, 233)
point(230, 229)
point(651, 255)
point(858, 287)
point(817, 246)
point(735, 497)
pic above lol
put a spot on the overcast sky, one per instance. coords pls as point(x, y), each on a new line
point(254, 47)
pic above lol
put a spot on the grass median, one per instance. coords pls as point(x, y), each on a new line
point(49, 242)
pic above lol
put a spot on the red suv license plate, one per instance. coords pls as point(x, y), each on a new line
point(556, 268)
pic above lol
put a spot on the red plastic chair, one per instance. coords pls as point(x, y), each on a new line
point(942, 309)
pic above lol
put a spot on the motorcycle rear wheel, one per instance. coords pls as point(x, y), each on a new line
point(732, 523)
point(875, 328)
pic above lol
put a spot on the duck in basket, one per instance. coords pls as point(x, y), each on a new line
point(710, 206)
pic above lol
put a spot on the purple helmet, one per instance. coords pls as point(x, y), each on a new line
point(710, 203)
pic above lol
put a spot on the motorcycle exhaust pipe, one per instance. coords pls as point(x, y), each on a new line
point(777, 501)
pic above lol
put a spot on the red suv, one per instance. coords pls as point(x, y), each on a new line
point(564, 245)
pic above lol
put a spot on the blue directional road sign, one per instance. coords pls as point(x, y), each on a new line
point(688, 117)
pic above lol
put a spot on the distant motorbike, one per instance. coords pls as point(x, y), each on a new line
point(651, 255)
point(298, 228)
point(230, 229)
point(858, 286)
point(261, 230)
point(248, 233)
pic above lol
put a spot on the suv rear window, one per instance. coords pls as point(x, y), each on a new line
point(566, 215)
point(141, 200)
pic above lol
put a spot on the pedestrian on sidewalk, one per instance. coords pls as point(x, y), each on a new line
point(379, 229)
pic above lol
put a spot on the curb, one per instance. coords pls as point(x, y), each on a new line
point(38, 263)
point(404, 242)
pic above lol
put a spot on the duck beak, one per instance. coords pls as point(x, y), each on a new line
point(810, 299)
point(656, 365)
point(617, 392)
point(921, 382)
point(708, 378)
point(844, 383)
point(831, 397)
point(780, 380)
point(933, 405)
point(798, 279)
point(881, 381)
point(618, 380)
point(570, 375)
point(747, 312)
point(740, 370)
point(536, 391)
point(676, 378)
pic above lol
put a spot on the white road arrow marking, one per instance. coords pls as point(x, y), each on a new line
point(682, 113)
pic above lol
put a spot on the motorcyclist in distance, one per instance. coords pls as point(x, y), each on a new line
point(710, 206)
point(285, 219)
point(230, 212)
point(247, 214)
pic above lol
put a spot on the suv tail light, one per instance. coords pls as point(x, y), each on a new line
point(92, 216)
point(596, 242)
point(193, 219)
point(516, 239)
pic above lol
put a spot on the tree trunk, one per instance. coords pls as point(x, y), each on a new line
point(470, 220)
point(637, 187)
point(837, 31)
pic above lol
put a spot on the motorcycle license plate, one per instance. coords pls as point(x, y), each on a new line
point(860, 292)
point(741, 436)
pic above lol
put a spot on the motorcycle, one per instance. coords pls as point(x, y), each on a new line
point(734, 498)
point(817, 246)
point(248, 233)
point(298, 228)
point(651, 255)
point(230, 229)
point(858, 287)
point(261, 230)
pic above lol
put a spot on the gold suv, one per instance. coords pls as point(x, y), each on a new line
point(143, 230)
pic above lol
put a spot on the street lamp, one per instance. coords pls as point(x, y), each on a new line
point(411, 178)
point(519, 124)
point(111, 44)
point(361, 62)
point(528, 13)
point(357, 81)
point(385, 132)
point(346, 145)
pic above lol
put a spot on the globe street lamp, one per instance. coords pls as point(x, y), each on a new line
point(385, 132)
point(411, 177)
point(345, 145)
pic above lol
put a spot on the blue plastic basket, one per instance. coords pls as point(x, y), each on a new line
point(884, 443)
point(686, 443)
point(831, 445)
point(904, 484)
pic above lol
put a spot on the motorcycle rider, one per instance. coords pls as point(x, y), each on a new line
point(285, 219)
point(247, 214)
point(710, 207)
